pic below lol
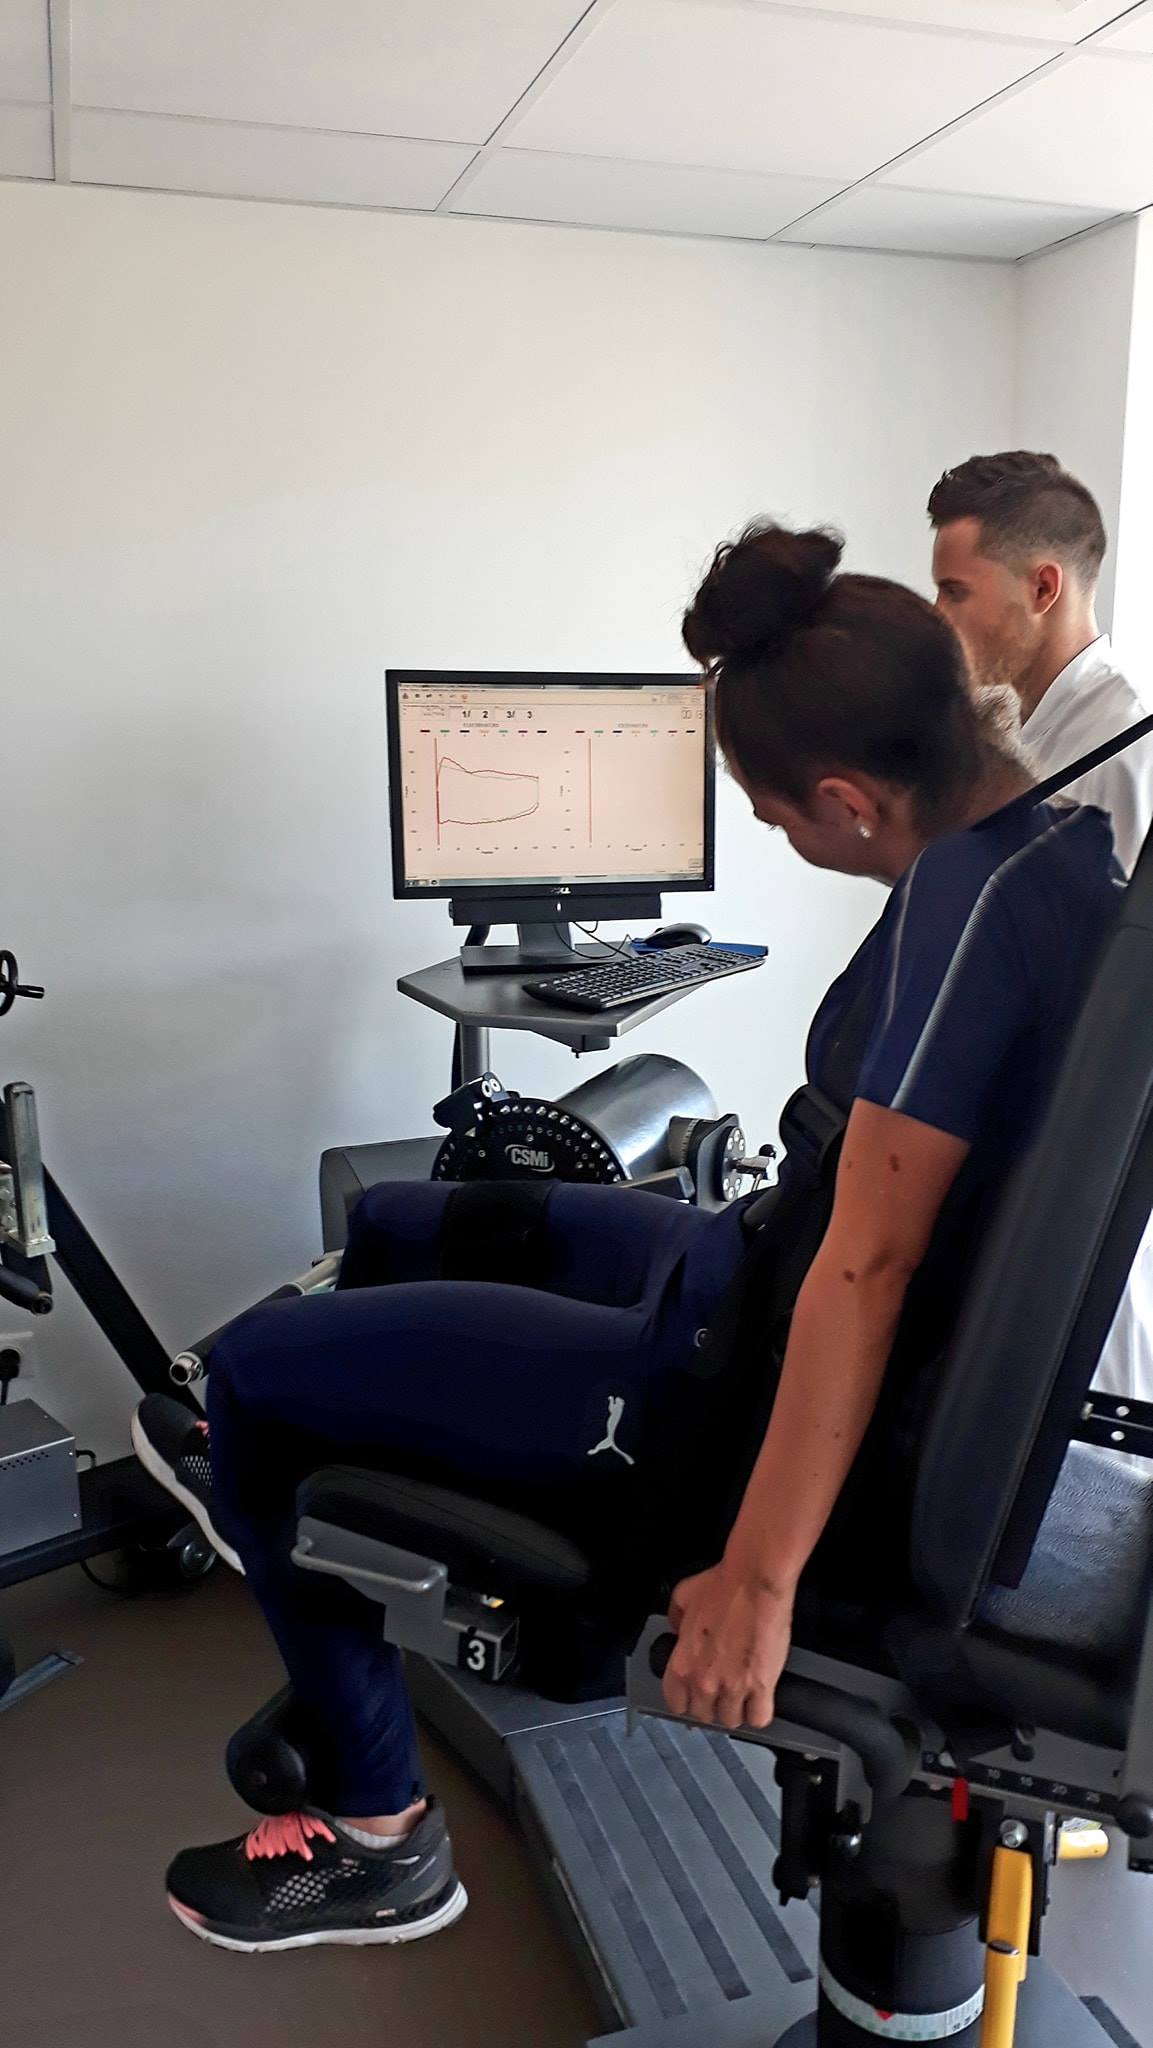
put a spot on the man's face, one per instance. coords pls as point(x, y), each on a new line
point(990, 607)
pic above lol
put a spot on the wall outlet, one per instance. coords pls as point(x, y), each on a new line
point(19, 1349)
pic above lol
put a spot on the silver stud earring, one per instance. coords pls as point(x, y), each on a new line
point(864, 831)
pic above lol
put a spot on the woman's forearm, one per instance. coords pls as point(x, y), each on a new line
point(842, 1332)
point(733, 1622)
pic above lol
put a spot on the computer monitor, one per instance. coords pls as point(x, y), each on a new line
point(538, 799)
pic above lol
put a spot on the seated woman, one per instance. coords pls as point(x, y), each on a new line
point(845, 713)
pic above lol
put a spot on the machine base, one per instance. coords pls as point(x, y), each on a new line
point(1048, 2013)
point(656, 1850)
point(120, 1506)
point(1049, 2016)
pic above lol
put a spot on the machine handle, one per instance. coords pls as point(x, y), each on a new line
point(1007, 1947)
point(24, 1293)
point(192, 1364)
point(427, 1577)
point(884, 1753)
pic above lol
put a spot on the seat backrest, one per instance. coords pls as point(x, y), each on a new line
point(1053, 1267)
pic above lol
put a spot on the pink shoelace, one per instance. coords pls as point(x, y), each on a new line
point(286, 1834)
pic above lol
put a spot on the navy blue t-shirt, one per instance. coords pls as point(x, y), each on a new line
point(964, 996)
point(956, 1011)
point(973, 975)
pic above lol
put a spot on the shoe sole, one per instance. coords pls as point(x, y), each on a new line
point(336, 1937)
point(164, 1476)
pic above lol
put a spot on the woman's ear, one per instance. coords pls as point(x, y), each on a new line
point(848, 806)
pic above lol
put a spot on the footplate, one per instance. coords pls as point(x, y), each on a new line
point(659, 1850)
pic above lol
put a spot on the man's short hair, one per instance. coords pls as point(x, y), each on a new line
point(1026, 504)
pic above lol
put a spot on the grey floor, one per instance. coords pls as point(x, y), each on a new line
point(109, 1770)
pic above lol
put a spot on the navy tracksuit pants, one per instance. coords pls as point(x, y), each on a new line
point(538, 1396)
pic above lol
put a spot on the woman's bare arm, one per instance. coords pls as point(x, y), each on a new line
point(734, 1622)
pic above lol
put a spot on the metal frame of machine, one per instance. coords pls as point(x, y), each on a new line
point(121, 1508)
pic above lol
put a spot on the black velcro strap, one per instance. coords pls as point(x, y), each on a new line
point(812, 1127)
point(495, 1230)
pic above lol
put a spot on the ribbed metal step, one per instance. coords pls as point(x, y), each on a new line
point(661, 1845)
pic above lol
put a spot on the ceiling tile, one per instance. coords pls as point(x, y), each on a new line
point(25, 142)
point(1134, 33)
point(446, 69)
point(1054, 21)
point(940, 224)
point(679, 198)
point(1083, 136)
point(168, 154)
point(25, 71)
point(744, 88)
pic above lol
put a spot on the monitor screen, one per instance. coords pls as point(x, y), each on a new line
point(519, 783)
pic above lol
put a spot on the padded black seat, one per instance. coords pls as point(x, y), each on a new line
point(485, 1548)
point(1062, 1648)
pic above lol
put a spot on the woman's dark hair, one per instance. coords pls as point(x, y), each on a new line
point(816, 673)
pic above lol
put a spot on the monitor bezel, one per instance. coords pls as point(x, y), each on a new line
point(515, 679)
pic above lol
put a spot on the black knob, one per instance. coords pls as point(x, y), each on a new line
point(1135, 1817)
point(11, 985)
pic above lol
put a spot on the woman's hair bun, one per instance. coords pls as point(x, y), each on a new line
point(759, 591)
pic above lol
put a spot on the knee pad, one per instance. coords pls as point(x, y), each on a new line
point(496, 1230)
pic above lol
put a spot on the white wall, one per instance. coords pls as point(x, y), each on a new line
point(1134, 619)
point(252, 455)
point(1074, 333)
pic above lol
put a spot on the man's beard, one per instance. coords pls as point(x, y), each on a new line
point(1003, 664)
point(998, 668)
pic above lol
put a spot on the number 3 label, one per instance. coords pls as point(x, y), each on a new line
point(476, 1655)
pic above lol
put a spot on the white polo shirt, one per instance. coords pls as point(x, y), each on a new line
point(1089, 702)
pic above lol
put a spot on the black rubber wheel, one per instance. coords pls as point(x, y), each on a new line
point(194, 1560)
point(155, 1567)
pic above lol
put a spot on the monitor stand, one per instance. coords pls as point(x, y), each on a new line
point(539, 949)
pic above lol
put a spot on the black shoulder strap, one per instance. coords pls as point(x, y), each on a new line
point(1085, 766)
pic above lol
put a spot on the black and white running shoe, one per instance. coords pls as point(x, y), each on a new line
point(298, 1881)
point(172, 1446)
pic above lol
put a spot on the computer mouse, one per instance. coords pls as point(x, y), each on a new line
point(678, 935)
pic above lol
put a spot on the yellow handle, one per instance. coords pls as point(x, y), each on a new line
point(1081, 1845)
point(1007, 1952)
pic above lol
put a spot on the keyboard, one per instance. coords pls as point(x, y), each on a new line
point(635, 977)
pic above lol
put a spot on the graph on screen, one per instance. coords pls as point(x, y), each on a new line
point(559, 782)
point(471, 797)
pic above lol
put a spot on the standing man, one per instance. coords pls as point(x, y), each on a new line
point(1016, 560)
